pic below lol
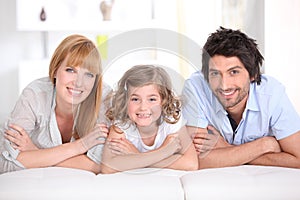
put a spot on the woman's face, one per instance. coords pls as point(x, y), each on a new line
point(73, 84)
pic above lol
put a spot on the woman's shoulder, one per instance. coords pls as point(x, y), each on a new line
point(39, 87)
point(40, 84)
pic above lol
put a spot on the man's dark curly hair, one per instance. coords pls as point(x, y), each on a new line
point(229, 43)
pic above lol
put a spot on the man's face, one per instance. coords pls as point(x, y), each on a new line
point(229, 81)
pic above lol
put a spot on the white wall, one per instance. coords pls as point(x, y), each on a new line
point(14, 46)
point(282, 44)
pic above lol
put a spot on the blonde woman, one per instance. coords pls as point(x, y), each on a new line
point(147, 128)
point(55, 122)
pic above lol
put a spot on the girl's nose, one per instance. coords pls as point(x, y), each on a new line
point(143, 105)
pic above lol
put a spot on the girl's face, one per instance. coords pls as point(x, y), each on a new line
point(73, 84)
point(144, 106)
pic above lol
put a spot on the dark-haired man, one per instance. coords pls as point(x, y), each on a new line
point(249, 110)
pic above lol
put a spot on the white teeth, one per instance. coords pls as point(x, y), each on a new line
point(144, 115)
point(75, 91)
point(228, 93)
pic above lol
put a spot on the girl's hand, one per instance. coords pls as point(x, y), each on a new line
point(172, 141)
point(19, 138)
point(97, 136)
point(122, 146)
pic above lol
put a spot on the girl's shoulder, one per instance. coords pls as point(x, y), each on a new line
point(172, 128)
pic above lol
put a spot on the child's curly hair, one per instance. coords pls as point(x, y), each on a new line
point(138, 76)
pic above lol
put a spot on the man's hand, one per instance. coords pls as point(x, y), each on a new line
point(207, 139)
point(19, 138)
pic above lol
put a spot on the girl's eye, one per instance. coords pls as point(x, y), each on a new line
point(134, 99)
point(153, 99)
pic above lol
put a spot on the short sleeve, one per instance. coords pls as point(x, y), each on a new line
point(193, 105)
point(285, 120)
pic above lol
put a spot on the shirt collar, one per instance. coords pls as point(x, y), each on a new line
point(252, 103)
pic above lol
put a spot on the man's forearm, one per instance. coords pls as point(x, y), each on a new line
point(236, 155)
point(281, 159)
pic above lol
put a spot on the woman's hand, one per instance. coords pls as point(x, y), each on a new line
point(19, 138)
point(97, 136)
point(121, 146)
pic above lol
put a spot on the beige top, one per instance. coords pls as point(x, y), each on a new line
point(34, 111)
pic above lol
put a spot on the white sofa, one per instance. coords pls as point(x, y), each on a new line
point(242, 182)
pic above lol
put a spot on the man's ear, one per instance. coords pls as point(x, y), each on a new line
point(252, 79)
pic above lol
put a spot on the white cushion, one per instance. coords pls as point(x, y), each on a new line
point(63, 183)
point(243, 182)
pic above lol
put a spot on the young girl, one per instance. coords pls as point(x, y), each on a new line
point(55, 122)
point(147, 129)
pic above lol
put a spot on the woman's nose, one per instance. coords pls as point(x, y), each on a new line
point(78, 81)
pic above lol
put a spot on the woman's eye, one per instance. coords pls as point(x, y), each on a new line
point(69, 69)
point(90, 75)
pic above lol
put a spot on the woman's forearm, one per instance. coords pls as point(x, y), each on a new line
point(50, 156)
point(81, 162)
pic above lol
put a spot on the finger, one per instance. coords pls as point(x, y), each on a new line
point(16, 128)
point(12, 133)
point(115, 148)
point(202, 148)
point(11, 138)
point(116, 152)
point(202, 135)
point(213, 130)
point(199, 141)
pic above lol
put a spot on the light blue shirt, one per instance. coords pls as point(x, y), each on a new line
point(268, 112)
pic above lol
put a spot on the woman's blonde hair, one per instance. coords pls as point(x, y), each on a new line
point(81, 52)
point(138, 76)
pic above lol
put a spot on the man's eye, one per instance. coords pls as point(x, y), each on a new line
point(214, 73)
point(235, 72)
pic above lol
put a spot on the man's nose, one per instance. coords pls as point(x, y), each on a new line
point(225, 82)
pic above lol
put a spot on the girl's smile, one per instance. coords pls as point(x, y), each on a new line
point(144, 106)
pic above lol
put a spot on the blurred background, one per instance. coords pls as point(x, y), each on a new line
point(30, 30)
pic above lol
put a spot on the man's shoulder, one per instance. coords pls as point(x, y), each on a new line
point(269, 85)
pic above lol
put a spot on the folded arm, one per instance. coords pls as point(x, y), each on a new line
point(113, 162)
point(222, 154)
point(186, 159)
point(288, 157)
point(66, 155)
